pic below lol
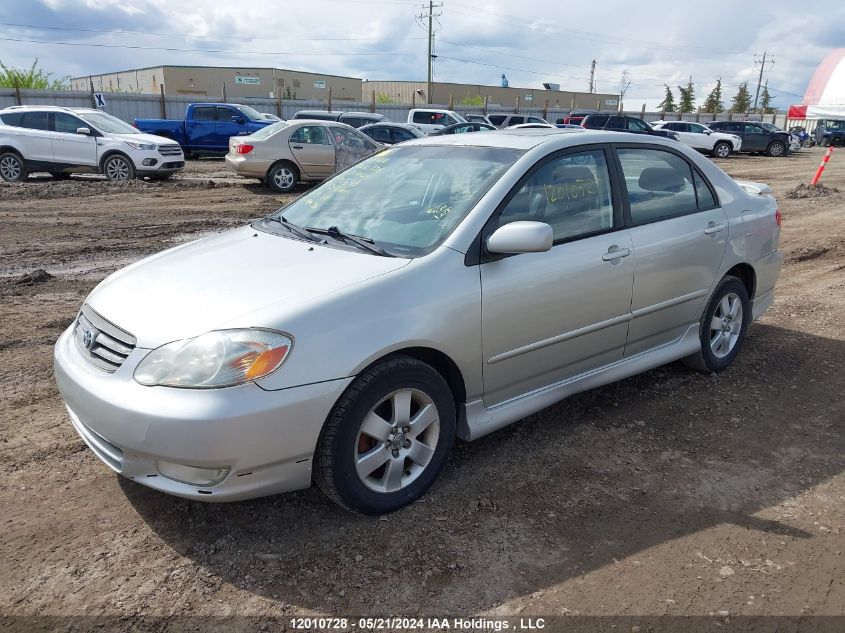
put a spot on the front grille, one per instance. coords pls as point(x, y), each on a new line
point(173, 165)
point(101, 342)
point(169, 150)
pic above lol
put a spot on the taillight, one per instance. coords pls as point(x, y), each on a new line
point(243, 148)
point(778, 217)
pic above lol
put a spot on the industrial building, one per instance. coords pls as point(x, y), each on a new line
point(407, 92)
point(235, 82)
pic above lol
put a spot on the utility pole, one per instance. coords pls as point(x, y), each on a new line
point(430, 16)
point(593, 77)
point(762, 63)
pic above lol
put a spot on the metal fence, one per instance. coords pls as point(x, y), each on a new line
point(129, 107)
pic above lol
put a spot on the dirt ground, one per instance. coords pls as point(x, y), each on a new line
point(670, 493)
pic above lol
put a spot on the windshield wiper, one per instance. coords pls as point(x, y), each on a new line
point(293, 228)
point(364, 243)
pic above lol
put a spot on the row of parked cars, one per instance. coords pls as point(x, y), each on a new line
point(310, 147)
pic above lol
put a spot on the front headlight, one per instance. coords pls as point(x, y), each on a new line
point(217, 359)
point(147, 146)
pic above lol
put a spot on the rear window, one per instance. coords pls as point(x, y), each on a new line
point(12, 118)
point(36, 120)
point(270, 130)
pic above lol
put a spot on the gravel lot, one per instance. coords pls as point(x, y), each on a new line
point(671, 493)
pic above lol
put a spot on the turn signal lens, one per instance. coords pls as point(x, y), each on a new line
point(778, 217)
point(244, 148)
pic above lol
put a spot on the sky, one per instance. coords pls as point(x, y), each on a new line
point(530, 41)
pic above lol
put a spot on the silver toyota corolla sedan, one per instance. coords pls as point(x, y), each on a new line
point(441, 288)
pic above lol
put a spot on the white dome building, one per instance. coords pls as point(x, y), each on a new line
point(825, 96)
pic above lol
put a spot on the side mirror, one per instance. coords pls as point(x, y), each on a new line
point(239, 120)
point(521, 237)
point(708, 132)
point(84, 130)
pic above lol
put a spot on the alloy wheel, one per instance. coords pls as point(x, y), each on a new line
point(726, 325)
point(723, 151)
point(117, 169)
point(397, 440)
point(283, 178)
point(10, 167)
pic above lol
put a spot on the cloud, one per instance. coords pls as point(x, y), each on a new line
point(476, 43)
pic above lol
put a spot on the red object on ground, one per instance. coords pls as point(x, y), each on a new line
point(818, 175)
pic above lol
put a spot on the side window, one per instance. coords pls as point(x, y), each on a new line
point(695, 128)
point(353, 121)
point(659, 184)
point(448, 119)
point(616, 123)
point(497, 119)
point(637, 126)
point(36, 120)
point(402, 135)
point(66, 123)
point(380, 134)
point(571, 193)
point(754, 129)
point(12, 118)
point(203, 114)
point(533, 119)
point(423, 117)
point(226, 114)
point(311, 135)
point(706, 200)
point(516, 120)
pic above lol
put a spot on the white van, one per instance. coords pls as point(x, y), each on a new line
point(430, 119)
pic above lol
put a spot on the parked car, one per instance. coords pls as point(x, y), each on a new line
point(207, 127)
point(355, 119)
point(624, 123)
point(477, 118)
point(64, 141)
point(429, 119)
point(755, 137)
point(509, 120)
point(391, 133)
point(575, 117)
point(702, 138)
point(289, 152)
point(830, 132)
point(462, 128)
point(445, 287)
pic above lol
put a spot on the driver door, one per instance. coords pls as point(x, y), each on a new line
point(70, 148)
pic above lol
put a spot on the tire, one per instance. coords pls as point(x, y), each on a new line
point(722, 149)
point(776, 149)
point(118, 168)
point(282, 177)
point(381, 469)
point(728, 313)
point(12, 167)
point(807, 144)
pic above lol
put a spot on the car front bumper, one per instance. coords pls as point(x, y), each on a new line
point(265, 438)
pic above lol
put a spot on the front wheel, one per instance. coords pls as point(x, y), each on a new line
point(722, 149)
point(723, 327)
point(775, 149)
point(119, 168)
point(282, 178)
point(807, 143)
point(387, 438)
point(12, 167)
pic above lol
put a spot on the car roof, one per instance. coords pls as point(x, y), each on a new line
point(51, 108)
point(301, 122)
point(404, 126)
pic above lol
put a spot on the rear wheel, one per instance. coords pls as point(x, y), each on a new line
point(119, 168)
point(722, 149)
point(723, 327)
point(387, 438)
point(807, 143)
point(12, 167)
point(282, 177)
point(775, 149)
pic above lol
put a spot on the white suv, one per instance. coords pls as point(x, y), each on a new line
point(702, 138)
point(63, 141)
point(431, 119)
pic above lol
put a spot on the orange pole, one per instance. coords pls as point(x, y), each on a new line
point(818, 175)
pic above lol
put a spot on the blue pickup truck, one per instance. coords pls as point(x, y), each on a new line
point(207, 126)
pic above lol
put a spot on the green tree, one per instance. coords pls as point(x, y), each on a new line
point(668, 103)
point(686, 101)
point(475, 100)
point(765, 100)
point(713, 102)
point(34, 77)
point(383, 98)
point(290, 94)
point(742, 101)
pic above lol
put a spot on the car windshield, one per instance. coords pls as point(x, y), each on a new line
point(107, 123)
point(270, 130)
point(406, 199)
point(835, 125)
point(250, 113)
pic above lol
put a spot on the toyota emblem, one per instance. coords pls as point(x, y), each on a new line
point(88, 339)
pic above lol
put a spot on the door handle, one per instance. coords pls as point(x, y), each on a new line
point(296, 146)
point(713, 228)
point(614, 253)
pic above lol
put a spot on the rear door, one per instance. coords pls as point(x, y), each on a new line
point(37, 141)
point(312, 149)
point(755, 138)
point(679, 235)
point(549, 316)
point(201, 127)
point(69, 147)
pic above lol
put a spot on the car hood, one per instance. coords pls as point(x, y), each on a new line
point(217, 282)
point(144, 138)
